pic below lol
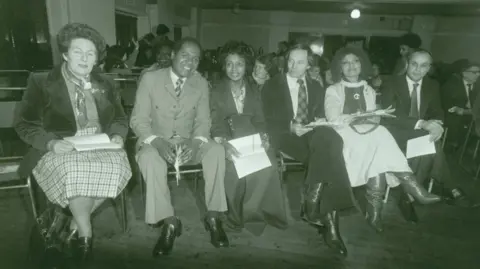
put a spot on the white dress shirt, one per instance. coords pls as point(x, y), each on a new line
point(293, 86)
point(466, 84)
point(419, 93)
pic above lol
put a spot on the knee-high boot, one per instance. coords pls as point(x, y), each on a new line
point(331, 233)
point(375, 192)
point(311, 203)
point(419, 193)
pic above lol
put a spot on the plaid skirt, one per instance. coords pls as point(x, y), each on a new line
point(96, 174)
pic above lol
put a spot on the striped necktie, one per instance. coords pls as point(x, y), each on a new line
point(178, 87)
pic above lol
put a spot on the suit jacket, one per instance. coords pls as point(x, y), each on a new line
point(46, 113)
point(454, 93)
point(158, 111)
point(278, 108)
point(222, 106)
point(397, 95)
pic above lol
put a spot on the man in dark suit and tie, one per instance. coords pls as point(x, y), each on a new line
point(418, 112)
point(458, 96)
point(290, 101)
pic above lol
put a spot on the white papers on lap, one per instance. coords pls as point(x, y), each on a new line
point(252, 157)
point(92, 142)
point(420, 146)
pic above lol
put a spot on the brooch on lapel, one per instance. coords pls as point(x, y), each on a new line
point(356, 96)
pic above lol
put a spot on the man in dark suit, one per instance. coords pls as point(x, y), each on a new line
point(290, 101)
point(458, 95)
point(418, 112)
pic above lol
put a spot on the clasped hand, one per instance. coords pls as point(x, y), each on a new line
point(299, 129)
point(168, 151)
point(434, 128)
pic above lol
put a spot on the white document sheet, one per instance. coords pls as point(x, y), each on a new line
point(92, 142)
point(420, 146)
point(252, 157)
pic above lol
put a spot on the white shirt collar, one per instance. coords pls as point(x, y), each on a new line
point(411, 82)
point(175, 78)
point(295, 80)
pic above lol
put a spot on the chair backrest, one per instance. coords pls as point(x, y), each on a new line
point(7, 113)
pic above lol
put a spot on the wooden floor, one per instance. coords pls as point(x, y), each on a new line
point(446, 237)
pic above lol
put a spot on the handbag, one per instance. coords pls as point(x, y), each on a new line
point(240, 125)
point(364, 121)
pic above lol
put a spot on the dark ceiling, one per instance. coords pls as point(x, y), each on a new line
point(387, 7)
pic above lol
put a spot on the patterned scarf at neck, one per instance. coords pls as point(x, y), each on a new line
point(238, 96)
point(81, 86)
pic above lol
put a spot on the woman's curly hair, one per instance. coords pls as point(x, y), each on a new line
point(336, 65)
point(79, 30)
point(241, 49)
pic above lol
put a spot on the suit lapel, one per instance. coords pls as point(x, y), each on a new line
point(103, 90)
point(59, 96)
point(424, 97)
point(169, 87)
point(248, 107)
point(404, 94)
point(312, 97)
point(286, 95)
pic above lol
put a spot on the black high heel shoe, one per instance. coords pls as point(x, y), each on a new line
point(419, 193)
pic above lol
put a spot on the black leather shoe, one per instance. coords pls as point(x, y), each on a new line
point(309, 211)
point(407, 209)
point(459, 199)
point(170, 231)
point(218, 237)
point(331, 233)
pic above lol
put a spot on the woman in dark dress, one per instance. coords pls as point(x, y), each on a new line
point(236, 112)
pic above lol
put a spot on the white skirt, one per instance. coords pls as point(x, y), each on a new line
point(371, 154)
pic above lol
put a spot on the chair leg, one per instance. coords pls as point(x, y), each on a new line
point(475, 153)
point(465, 143)
point(32, 198)
point(123, 211)
point(445, 134)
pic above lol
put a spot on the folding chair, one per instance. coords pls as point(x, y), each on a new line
point(471, 134)
point(9, 177)
point(285, 161)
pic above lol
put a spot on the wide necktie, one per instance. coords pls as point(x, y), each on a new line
point(469, 97)
point(178, 87)
point(414, 102)
point(302, 108)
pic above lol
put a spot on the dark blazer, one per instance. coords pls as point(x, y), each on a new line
point(397, 95)
point(278, 108)
point(46, 113)
point(454, 93)
point(222, 106)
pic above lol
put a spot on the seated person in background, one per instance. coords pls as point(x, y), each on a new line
point(163, 56)
point(236, 111)
point(264, 69)
point(120, 60)
point(371, 154)
point(408, 43)
point(459, 94)
point(71, 100)
point(315, 72)
point(290, 101)
point(172, 111)
point(418, 112)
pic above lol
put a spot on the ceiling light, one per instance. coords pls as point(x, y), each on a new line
point(355, 14)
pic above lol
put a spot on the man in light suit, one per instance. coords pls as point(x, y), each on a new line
point(172, 110)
